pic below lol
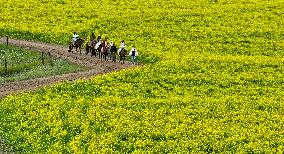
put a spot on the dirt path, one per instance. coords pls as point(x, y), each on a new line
point(95, 65)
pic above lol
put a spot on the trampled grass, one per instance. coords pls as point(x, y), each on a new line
point(214, 82)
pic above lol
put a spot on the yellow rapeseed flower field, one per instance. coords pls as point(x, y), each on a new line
point(212, 80)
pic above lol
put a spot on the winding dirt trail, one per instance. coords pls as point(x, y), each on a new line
point(95, 66)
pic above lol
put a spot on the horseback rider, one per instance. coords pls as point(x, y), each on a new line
point(133, 53)
point(122, 46)
point(75, 38)
point(105, 43)
point(99, 38)
point(111, 44)
point(113, 51)
point(92, 40)
point(92, 37)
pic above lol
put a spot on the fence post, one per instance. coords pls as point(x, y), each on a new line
point(6, 66)
point(7, 40)
point(42, 58)
point(50, 59)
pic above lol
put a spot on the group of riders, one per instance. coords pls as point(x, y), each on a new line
point(103, 48)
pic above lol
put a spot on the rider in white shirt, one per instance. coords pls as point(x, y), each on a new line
point(122, 46)
point(75, 37)
point(98, 44)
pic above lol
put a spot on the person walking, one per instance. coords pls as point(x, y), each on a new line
point(133, 53)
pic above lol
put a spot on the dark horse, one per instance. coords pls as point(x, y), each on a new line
point(104, 52)
point(90, 47)
point(113, 51)
point(96, 49)
point(78, 44)
point(122, 54)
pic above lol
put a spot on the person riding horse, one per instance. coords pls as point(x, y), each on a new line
point(122, 46)
point(104, 49)
point(75, 38)
point(113, 51)
point(92, 37)
point(90, 46)
point(76, 42)
point(99, 38)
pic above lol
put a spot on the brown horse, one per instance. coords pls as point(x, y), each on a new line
point(90, 47)
point(122, 55)
point(104, 51)
point(78, 44)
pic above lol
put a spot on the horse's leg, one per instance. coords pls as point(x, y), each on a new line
point(71, 47)
point(99, 53)
point(113, 57)
point(87, 49)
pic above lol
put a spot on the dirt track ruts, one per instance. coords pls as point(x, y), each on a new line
point(95, 66)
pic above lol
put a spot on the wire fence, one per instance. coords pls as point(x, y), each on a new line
point(9, 66)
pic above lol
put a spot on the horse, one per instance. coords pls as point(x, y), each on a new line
point(90, 47)
point(97, 49)
point(122, 54)
point(104, 52)
point(113, 51)
point(78, 44)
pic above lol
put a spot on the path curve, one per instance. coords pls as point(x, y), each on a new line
point(95, 66)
